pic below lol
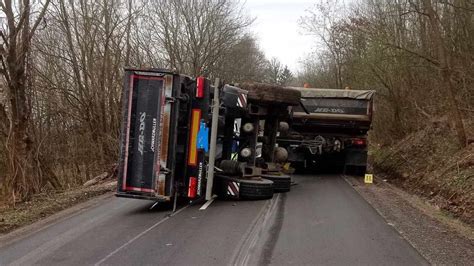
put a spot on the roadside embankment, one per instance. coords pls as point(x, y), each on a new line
point(431, 164)
point(46, 204)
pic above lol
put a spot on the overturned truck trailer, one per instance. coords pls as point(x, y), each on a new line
point(159, 154)
point(329, 129)
point(165, 137)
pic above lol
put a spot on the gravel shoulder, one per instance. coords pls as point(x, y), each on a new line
point(442, 240)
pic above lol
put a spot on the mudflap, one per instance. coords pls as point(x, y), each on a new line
point(356, 157)
point(356, 162)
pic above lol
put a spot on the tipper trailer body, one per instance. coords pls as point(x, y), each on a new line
point(159, 152)
point(329, 128)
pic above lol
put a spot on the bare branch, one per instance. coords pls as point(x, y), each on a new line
point(39, 18)
point(426, 58)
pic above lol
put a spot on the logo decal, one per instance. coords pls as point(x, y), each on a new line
point(141, 133)
point(153, 132)
point(328, 110)
point(199, 184)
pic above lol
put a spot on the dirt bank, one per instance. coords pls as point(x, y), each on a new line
point(46, 204)
point(431, 164)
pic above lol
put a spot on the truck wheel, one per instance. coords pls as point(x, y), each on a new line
point(281, 183)
point(271, 94)
point(243, 189)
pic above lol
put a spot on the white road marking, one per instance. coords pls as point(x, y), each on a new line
point(48, 247)
point(138, 236)
point(204, 207)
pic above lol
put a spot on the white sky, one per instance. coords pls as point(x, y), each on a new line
point(277, 30)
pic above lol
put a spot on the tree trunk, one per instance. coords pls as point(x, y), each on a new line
point(445, 70)
point(25, 171)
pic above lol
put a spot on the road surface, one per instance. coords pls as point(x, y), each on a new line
point(322, 221)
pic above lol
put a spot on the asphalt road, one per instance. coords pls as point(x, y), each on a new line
point(322, 221)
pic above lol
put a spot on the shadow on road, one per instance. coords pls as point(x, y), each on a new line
point(320, 170)
point(154, 207)
point(330, 169)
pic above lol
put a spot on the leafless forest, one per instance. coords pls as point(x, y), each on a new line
point(62, 61)
point(419, 57)
point(417, 54)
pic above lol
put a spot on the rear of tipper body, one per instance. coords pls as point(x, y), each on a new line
point(163, 113)
point(329, 130)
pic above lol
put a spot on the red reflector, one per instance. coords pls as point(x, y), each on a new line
point(359, 142)
point(200, 87)
point(192, 188)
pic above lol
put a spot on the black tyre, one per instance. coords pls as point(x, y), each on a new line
point(271, 94)
point(281, 183)
point(243, 189)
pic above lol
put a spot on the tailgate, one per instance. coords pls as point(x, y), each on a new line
point(342, 109)
point(146, 133)
point(337, 106)
point(333, 113)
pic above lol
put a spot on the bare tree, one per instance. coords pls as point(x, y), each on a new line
point(26, 171)
point(243, 62)
point(62, 64)
point(445, 69)
point(195, 34)
point(277, 73)
point(322, 21)
point(417, 53)
point(79, 60)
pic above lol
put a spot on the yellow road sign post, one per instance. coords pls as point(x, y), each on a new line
point(369, 178)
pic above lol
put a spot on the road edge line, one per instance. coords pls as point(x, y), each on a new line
point(345, 177)
point(138, 236)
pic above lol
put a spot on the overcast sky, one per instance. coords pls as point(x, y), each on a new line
point(277, 30)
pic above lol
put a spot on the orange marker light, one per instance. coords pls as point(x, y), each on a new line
point(195, 118)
